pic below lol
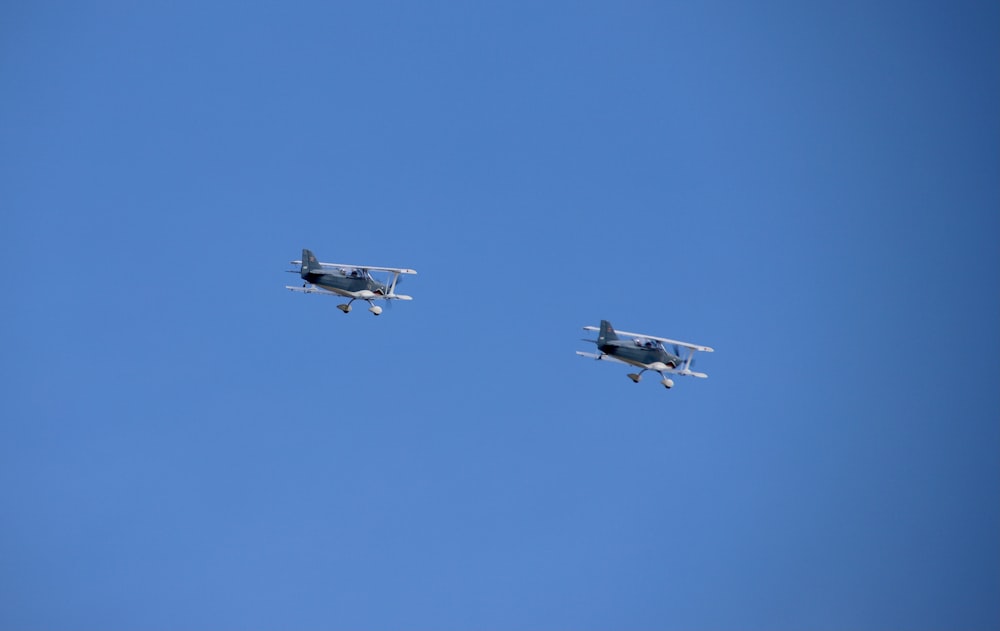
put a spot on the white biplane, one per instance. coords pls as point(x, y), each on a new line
point(350, 281)
point(646, 352)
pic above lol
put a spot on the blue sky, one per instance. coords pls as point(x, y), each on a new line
point(811, 190)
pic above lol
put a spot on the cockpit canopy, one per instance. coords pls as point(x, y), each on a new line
point(353, 272)
point(642, 342)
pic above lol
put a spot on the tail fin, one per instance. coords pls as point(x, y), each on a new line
point(309, 263)
point(606, 334)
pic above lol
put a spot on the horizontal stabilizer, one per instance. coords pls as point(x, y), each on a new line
point(326, 272)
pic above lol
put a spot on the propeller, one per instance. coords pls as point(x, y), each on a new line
point(388, 281)
point(386, 285)
point(677, 352)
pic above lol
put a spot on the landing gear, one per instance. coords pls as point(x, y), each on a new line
point(346, 307)
point(667, 382)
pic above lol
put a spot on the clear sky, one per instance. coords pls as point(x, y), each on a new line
point(809, 187)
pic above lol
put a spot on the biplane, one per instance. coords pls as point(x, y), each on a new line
point(646, 352)
point(349, 281)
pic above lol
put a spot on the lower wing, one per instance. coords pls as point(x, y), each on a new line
point(655, 367)
point(606, 357)
point(364, 294)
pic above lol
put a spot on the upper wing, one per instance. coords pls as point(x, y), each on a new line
point(694, 347)
point(370, 268)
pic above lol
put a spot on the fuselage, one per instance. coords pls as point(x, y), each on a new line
point(345, 281)
point(639, 352)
